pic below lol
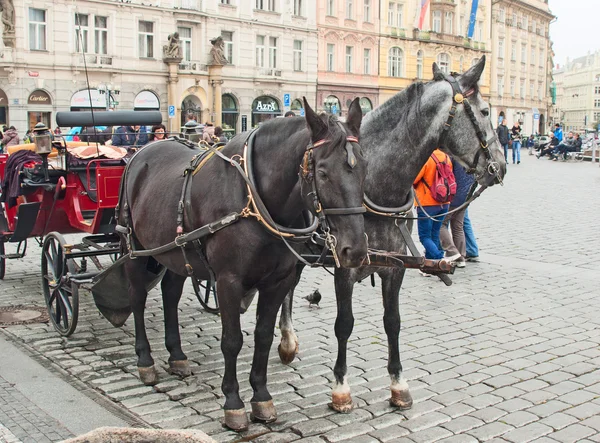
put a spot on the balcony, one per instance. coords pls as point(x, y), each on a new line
point(193, 67)
point(262, 72)
point(94, 60)
point(190, 5)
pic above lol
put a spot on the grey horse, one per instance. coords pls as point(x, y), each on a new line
point(397, 139)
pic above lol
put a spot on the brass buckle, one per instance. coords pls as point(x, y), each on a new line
point(459, 98)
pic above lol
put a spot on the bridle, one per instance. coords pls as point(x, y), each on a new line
point(307, 173)
point(459, 98)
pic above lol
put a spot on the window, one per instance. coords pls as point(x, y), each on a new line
point(349, 57)
point(444, 62)
point(462, 28)
point(349, 9)
point(461, 63)
point(540, 91)
point(523, 53)
point(298, 7)
point(513, 51)
point(437, 21)
point(330, 57)
point(500, 86)
point(512, 86)
point(225, 2)
point(480, 31)
point(502, 15)
point(146, 39)
point(400, 15)
point(395, 61)
point(419, 64)
point(524, 21)
point(531, 88)
point(448, 23)
point(331, 7)
point(597, 90)
point(266, 5)
point(272, 52)
point(37, 29)
point(367, 11)
point(514, 19)
point(391, 10)
point(260, 51)
point(185, 36)
point(533, 51)
point(542, 58)
point(533, 26)
point(227, 37)
point(367, 62)
point(501, 48)
point(297, 55)
point(522, 88)
point(101, 35)
point(81, 32)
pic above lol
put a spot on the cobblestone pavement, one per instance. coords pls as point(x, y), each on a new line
point(509, 353)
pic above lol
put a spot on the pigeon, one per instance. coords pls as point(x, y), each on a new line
point(314, 298)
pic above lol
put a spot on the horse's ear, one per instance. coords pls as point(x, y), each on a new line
point(470, 78)
point(315, 124)
point(437, 72)
point(355, 116)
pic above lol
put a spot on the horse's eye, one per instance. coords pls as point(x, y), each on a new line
point(322, 174)
point(485, 112)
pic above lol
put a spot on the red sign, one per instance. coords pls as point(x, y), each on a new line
point(33, 73)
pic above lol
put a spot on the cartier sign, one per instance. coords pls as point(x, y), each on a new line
point(39, 97)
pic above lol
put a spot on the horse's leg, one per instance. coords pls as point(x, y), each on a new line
point(230, 296)
point(134, 269)
point(391, 282)
point(172, 287)
point(269, 301)
point(288, 347)
point(344, 323)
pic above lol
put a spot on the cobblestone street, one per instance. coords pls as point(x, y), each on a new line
point(508, 353)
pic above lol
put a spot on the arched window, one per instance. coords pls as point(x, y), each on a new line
point(332, 105)
point(395, 61)
point(419, 64)
point(461, 64)
point(365, 105)
point(443, 61)
point(296, 105)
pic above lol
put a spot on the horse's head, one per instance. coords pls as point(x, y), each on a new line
point(468, 134)
point(333, 172)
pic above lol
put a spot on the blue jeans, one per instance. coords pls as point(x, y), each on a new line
point(472, 248)
point(516, 148)
point(429, 230)
point(505, 152)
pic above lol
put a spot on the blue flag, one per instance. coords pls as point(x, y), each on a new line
point(472, 18)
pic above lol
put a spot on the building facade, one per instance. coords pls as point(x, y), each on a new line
point(62, 55)
point(578, 93)
point(521, 68)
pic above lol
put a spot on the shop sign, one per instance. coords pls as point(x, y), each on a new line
point(146, 100)
point(39, 97)
point(33, 73)
point(265, 107)
point(81, 99)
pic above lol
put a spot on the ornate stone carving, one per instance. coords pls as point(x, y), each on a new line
point(172, 51)
point(217, 52)
point(8, 22)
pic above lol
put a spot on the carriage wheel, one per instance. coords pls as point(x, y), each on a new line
point(2, 260)
point(206, 292)
point(61, 296)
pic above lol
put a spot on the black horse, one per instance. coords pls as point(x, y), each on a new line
point(397, 139)
point(319, 168)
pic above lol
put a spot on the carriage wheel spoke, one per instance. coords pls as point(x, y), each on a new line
point(58, 309)
point(50, 264)
point(67, 308)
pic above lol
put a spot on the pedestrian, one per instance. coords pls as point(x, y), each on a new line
point(57, 131)
point(558, 132)
point(290, 114)
point(530, 144)
point(220, 135)
point(454, 244)
point(470, 240)
point(130, 136)
point(516, 142)
point(430, 212)
point(208, 133)
point(503, 137)
point(159, 132)
point(11, 137)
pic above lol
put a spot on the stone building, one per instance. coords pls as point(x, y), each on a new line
point(578, 93)
point(521, 66)
point(270, 47)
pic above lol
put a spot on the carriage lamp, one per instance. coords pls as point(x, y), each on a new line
point(190, 131)
point(43, 145)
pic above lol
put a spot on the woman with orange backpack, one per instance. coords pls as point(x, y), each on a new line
point(434, 188)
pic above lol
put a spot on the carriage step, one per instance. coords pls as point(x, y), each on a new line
point(11, 256)
point(25, 221)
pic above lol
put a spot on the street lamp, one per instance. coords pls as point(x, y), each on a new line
point(109, 90)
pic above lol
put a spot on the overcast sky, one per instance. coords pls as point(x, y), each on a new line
point(576, 30)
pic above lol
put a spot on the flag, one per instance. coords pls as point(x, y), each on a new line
point(424, 6)
point(472, 18)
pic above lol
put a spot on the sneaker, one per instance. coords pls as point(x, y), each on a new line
point(519, 162)
point(472, 258)
point(460, 263)
point(555, 159)
point(453, 257)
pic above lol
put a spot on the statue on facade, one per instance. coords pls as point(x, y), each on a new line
point(8, 21)
point(217, 52)
point(173, 49)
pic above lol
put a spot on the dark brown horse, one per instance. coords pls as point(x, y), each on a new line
point(245, 256)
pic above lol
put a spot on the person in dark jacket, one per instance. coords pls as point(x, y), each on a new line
point(516, 143)
point(574, 146)
point(455, 244)
point(219, 134)
point(130, 136)
point(503, 137)
point(11, 137)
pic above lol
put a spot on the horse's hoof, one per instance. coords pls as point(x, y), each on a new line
point(401, 399)
point(236, 419)
point(341, 402)
point(263, 412)
point(285, 355)
point(148, 375)
point(180, 368)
